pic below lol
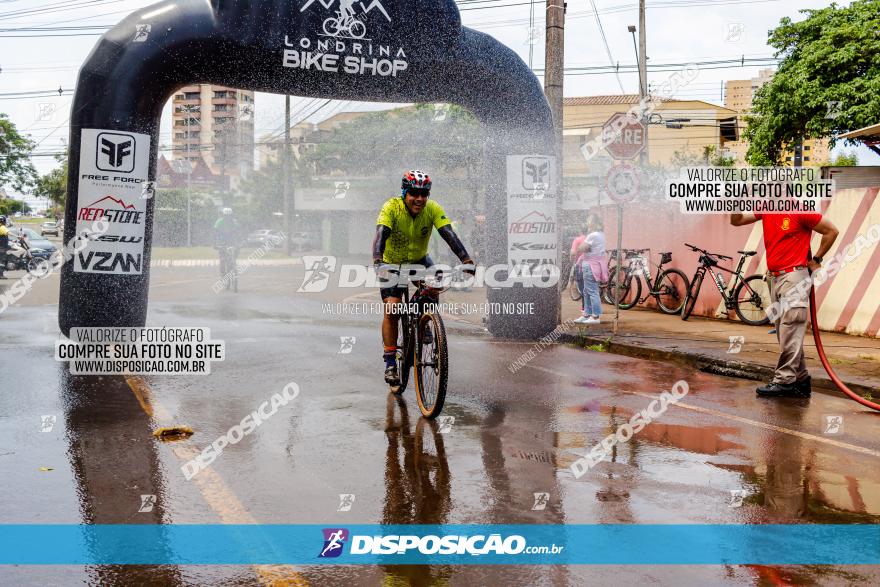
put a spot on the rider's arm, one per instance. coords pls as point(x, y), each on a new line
point(382, 234)
point(742, 219)
point(454, 243)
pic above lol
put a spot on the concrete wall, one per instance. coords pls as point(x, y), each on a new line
point(849, 302)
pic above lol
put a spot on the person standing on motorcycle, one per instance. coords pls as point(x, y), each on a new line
point(4, 245)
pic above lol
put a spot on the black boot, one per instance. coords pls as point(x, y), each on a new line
point(781, 390)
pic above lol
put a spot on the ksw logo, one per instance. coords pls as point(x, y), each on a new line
point(535, 171)
point(115, 152)
point(532, 246)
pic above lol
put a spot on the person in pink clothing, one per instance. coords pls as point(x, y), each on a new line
point(589, 253)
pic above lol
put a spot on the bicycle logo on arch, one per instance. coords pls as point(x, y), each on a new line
point(348, 22)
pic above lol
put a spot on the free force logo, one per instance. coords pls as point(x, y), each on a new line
point(115, 152)
point(535, 172)
point(334, 540)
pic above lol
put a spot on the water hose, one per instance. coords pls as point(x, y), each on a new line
point(821, 351)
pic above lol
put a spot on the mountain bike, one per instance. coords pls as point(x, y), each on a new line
point(569, 275)
point(668, 287)
point(421, 343)
point(228, 268)
point(749, 296)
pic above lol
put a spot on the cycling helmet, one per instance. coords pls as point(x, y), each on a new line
point(226, 211)
point(2, 219)
point(415, 179)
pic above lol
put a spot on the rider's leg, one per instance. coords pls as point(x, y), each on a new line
point(390, 320)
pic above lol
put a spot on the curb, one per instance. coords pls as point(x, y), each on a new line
point(216, 262)
point(706, 363)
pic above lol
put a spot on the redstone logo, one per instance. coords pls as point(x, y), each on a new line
point(123, 214)
point(533, 223)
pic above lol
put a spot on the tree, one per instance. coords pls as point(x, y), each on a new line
point(9, 207)
point(446, 139)
point(53, 185)
point(16, 168)
point(828, 81)
point(845, 159)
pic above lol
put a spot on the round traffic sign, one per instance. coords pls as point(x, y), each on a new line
point(622, 183)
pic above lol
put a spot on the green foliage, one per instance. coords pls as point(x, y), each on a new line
point(828, 81)
point(387, 142)
point(16, 168)
point(169, 219)
point(711, 156)
point(9, 207)
point(846, 159)
point(53, 185)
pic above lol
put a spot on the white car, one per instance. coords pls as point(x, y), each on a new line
point(49, 228)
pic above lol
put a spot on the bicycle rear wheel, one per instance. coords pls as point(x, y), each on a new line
point(573, 291)
point(671, 288)
point(752, 298)
point(691, 299)
point(431, 364)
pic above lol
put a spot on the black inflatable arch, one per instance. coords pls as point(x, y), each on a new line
point(403, 51)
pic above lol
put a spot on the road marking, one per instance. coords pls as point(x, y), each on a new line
point(727, 416)
point(214, 490)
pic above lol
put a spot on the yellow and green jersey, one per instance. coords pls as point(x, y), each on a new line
point(409, 238)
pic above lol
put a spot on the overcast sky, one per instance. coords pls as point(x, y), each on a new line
point(677, 31)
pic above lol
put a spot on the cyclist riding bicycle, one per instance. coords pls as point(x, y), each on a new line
point(403, 231)
point(227, 232)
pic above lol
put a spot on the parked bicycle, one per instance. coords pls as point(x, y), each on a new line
point(421, 344)
point(668, 287)
point(748, 296)
point(569, 279)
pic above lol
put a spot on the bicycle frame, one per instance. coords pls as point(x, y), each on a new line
point(643, 270)
point(729, 301)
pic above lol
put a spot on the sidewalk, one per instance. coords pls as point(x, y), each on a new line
point(705, 344)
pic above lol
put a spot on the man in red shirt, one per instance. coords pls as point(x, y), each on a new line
point(787, 240)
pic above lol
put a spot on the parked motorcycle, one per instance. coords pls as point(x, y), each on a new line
point(22, 256)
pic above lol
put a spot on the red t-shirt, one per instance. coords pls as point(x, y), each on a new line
point(787, 238)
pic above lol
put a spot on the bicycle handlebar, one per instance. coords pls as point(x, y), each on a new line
point(705, 252)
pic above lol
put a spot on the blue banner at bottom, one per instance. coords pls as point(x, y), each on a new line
point(371, 544)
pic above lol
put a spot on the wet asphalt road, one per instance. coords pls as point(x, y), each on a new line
point(512, 436)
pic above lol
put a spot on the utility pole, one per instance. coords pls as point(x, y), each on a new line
point(553, 67)
point(285, 175)
point(554, 73)
point(643, 74)
point(189, 109)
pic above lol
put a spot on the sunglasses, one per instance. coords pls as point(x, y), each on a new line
point(417, 193)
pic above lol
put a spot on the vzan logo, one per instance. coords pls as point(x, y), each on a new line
point(115, 152)
point(342, 45)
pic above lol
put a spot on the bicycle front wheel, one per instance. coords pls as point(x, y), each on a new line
point(431, 364)
point(671, 291)
point(404, 354)
point(752, 300)
point(691, 300)
point(629, 290)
